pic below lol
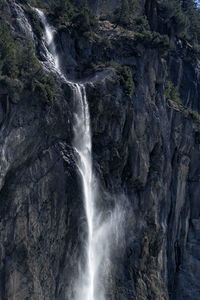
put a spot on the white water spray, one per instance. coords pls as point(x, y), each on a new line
point(92, 277)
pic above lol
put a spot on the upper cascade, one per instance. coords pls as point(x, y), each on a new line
point(52, 57)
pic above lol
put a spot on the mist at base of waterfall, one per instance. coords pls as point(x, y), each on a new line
point(108, 238)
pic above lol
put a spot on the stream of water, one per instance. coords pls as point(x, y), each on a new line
point(86, 286)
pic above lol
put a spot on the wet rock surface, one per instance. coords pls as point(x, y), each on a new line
point(144, 148)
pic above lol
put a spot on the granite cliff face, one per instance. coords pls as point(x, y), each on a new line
point(146, 153)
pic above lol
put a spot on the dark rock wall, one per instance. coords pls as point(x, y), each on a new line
point(149, 149)
point(40, 201)
point(144, 148)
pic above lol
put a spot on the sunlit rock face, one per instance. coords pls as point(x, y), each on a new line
point(144, 153)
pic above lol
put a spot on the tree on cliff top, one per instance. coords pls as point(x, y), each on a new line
point(191, 10)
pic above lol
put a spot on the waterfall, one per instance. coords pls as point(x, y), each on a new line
point(83, 147)
point(102, 232)
point(52, 57)
point(87, 282)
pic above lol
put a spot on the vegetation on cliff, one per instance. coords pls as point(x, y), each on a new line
point(171, 92)
point(181, 18)
point(176, 20)
point(20, 68)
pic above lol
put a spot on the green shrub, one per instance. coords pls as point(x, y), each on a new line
point(14, 87)
point(84, 21)
point(28, 63)
point(171, 92)
point(45, 87)
point(16, 58)
point(193, 114)
point(126, 79)
point(172, 16)
point(153, 39)
point(181, 18)
point(141, 24)
point(61, 11)
point(124, 73)
point(20, 69)
point(1, 3)
point(190, 9)
point(8, 52)
point(126, 13)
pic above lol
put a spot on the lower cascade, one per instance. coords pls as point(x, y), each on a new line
point(83, 147)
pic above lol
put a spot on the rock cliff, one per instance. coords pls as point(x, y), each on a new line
point(146, 156)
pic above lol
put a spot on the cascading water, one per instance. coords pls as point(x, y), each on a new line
point(83, 146)
point(101, 232)
point(49, 45)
